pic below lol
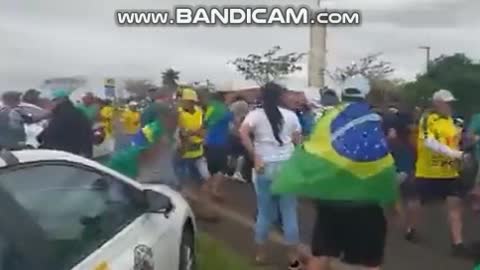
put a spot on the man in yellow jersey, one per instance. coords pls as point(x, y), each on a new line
point(437, 166)
point(191, 164)
point(106, 117)
point(130, 120)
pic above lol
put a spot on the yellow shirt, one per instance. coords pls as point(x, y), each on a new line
point(131, 121)
point(193, 145)
point(106, 115)
point(430, 164)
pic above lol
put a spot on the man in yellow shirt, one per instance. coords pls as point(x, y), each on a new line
point(437, 166)
point(190, 137)
point(131, 119)
point(190, 163)
point(106, 117)
point(130, 123)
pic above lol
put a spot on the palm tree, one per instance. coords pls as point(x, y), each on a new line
point(170, 77)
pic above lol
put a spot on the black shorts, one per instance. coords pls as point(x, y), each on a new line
point(408, 190)
point(217, 159)
point(236, 146)
point(353, 233)
point(438, 189)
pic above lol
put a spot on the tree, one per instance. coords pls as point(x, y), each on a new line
point(370, 66)
point(139, 88)
point(376, 70)
point(457, 73)
point(170, 78)
point(269, 66)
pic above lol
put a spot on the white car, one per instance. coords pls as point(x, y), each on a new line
point(61, 211)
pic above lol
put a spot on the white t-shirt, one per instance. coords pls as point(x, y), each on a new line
point(265, 144)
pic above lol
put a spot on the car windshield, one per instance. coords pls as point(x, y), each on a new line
point(54, 216)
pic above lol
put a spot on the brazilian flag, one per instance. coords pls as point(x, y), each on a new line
point(148, 135)
point(216, 112)
point(346, 158)
point(126, 161)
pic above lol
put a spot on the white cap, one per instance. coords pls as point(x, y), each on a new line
point(443, 95)
point(132, 103)
point(357, 86)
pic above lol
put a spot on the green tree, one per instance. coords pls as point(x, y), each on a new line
point(170, 78)
point(457, 73)
point(377, 71)
point(267, 67)
point(370, 66)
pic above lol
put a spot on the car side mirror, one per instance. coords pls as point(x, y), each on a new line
point(158, 203)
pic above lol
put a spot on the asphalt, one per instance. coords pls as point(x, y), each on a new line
point(432, 253)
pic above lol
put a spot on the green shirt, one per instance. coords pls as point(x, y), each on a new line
point(475, 129)
point(89, 111)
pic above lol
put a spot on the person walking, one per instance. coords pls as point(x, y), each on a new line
point(275, 132)
point(217, 124)
point(89, 107)
point(190, 163)
point(437, 167)
point(398, 126)
point(12, 122)
point(238, 157)
point(68, 129)
point(346, 168)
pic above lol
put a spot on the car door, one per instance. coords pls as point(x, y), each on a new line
point(148, 243)
point(84, 218)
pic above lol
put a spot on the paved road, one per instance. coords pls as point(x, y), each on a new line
point(431, 253)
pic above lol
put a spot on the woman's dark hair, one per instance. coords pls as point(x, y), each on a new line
point(271, 94)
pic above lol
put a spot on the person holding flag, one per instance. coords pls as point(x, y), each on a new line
point(346, 167)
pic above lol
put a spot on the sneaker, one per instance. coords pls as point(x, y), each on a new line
point(459, 250)
point(412, 236)
point(296, 265)
point(237, 176)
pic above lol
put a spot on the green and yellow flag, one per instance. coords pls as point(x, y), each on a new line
point(126, 161)
point(346, 158)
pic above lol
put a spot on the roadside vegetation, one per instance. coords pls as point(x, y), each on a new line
point(214, 255)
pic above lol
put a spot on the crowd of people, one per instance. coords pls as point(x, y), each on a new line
point(430, 148)
point(216, 140)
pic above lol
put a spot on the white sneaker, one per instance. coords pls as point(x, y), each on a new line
point(237, 176)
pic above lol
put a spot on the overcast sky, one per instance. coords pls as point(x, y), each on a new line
point(51, 38)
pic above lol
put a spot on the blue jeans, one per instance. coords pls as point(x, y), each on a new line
point(268, 206)
point(194, 170)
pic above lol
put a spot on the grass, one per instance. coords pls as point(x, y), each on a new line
point(214, 255)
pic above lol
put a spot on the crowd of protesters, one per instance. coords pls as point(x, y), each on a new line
point(215, 141)
point(429, 147)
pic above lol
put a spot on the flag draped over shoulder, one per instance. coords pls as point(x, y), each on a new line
point(216, 112)
point(345, 158)
point(126, 161)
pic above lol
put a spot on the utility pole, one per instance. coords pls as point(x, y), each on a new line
point(317, 55)
point(427, 51)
